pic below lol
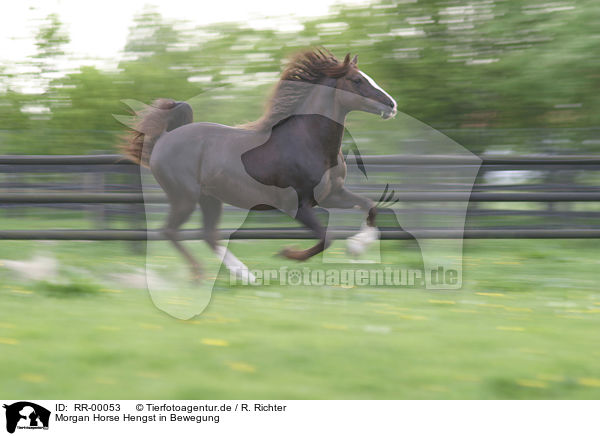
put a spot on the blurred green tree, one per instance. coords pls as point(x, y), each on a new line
point(471, 69)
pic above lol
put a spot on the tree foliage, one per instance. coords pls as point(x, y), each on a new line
point(488, 65)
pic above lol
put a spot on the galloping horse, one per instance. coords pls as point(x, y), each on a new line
point(289, 159)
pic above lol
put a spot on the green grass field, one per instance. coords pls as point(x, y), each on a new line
point(525, 325)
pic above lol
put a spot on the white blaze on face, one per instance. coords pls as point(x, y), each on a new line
point(376, 86)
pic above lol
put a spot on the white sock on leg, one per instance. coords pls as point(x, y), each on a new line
point(235, 265)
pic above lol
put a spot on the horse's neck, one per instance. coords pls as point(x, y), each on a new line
point(325, 133)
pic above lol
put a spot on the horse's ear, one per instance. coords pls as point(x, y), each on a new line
point(347, 59)
point(355, 60)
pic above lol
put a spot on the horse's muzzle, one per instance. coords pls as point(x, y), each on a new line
point(387, 114)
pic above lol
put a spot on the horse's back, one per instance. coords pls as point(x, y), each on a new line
point(186, 144)
point(185, 157)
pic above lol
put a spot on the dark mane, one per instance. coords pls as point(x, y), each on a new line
point(309, 66)
point(313, 65)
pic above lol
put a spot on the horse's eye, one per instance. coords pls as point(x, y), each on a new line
point(357, 80)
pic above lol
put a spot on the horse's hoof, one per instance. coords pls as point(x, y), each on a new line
point(358, 244)
point(290, 253)
point(285, 252)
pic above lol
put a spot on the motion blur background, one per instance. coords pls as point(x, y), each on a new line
point(493, 75)
point(498, 77)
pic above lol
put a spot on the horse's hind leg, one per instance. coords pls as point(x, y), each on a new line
point(179, 213)
point(212, 209)
point(306, 215)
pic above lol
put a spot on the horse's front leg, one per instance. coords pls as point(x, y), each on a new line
point(344, 199)
point(306, 215)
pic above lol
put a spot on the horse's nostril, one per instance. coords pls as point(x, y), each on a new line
point(391, 104)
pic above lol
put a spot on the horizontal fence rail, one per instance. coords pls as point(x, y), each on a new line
point(132, 202)
point(386, 234)
point(116, 159)
point(95, 198)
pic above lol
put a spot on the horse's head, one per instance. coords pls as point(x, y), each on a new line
point(341, 81)
point(362, 93)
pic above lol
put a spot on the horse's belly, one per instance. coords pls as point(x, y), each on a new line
point(242, 191)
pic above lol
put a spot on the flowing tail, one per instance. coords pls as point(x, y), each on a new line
point(162, 116)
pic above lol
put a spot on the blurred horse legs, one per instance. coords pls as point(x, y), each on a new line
point(181, 209)
point(306, 215)
point(345, 199)
point(212, 209)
